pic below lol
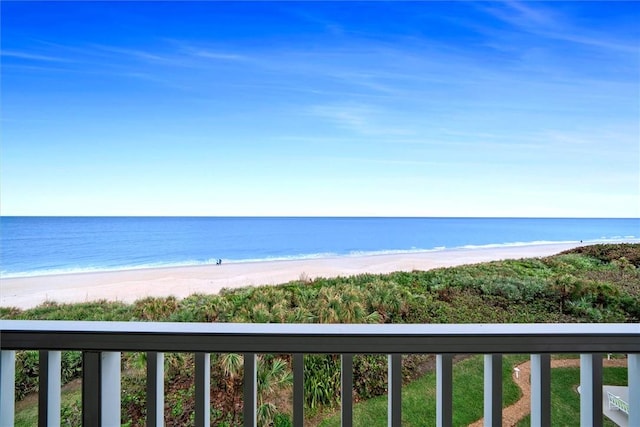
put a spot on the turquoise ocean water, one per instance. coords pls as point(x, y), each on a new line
point(48, 245)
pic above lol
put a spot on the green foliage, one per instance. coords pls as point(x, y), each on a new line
point(71, 365)
point(607, 253)
point(273, 375)
point(631, 305)
point(282, 420)
point(71, 412)
point(321, 380)
point(28, 368)
point(97, 310)
point(155, 309)
point(10, 313)
point(133, 404)
point(517, 289)
point(369, 375)
point(26, 373)
point(573, 262)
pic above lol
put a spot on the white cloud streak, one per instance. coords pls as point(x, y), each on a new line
point(31, 56)
point(545, 22)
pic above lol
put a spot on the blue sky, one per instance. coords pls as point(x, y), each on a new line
point(321, 108)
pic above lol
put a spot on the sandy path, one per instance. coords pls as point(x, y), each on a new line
point(514, 413)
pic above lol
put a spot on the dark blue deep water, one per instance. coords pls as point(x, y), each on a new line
point(49, 245)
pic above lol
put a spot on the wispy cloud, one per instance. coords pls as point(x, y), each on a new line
point(526, 16)
point(209, 54)
point(330, 26)
point(32, 56)
point(550, 23)
point(197, 50)
point(361, 119)
point(598, 141)
point(139, 54)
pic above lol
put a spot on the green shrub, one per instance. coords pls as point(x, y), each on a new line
point(369, 375)
point(155, 309)
point(26, 373)
point(321, 380)
point(282, 420)
point(609, 252)
point(97, 310)
point(71, 413)
point(28, 368)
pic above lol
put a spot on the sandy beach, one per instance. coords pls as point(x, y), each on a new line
point(131, 285)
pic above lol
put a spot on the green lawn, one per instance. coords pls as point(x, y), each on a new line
point(71, 398)
point(565, 409)
point(419, 397)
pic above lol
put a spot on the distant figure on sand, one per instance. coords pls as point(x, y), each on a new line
point(219, 262)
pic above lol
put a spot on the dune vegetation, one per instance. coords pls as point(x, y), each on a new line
point(599, 283)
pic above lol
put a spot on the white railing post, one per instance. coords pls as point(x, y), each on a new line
point(49, 389)
point(633, 379)
point(493, 390)
point(100, 388)
point(7, 387)
point(110, 388)
point(346, 389)
point(394, 414)
point(298, 389)
point(591, 390)
point(250, 390)
point(203, 389)
point(155, 389)
point(540, 390)
point(444, 390)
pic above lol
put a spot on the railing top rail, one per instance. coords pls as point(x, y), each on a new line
point(322, 329)
point(319, 338)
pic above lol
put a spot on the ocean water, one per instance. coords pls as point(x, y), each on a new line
point(33, 246)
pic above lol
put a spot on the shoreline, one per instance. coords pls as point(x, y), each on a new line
point(130, 285)
point(311, 258)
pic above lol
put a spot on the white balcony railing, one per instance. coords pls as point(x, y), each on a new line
point(616, 402)
point(102, 342)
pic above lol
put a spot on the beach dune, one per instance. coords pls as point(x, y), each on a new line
point(131, 285)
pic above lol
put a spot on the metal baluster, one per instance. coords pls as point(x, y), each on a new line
point(250, 390)
point(493, 390)
point(203, 390)
point(395, 390)
point(540, 390)
point(591, 390)
point(444, 390)
point(49, 388)
point(155, 389)
point(633, 379)
point(298, 390)
point(346, 383)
